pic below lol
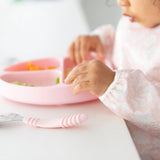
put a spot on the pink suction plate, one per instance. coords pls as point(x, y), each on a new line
point(45, 90)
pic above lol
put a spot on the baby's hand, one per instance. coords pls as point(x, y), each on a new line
point(83, 45)
point(93, 76)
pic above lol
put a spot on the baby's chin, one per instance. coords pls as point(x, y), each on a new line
point(149, 25)
point(144, 23)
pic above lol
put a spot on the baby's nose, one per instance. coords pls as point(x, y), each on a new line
point(123, 3)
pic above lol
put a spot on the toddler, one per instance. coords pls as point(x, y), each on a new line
point(129, 83)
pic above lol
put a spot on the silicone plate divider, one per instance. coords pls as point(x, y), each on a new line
point(45, 90)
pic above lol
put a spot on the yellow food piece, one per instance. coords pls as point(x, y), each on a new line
point(16, 82)
point(57, 80)
point(68, 71)
point(22, 84)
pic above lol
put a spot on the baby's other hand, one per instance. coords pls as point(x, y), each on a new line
point(83, 45)
point(93, 76)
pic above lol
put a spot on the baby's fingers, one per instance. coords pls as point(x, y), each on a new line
point(80, 87)
point(78, 70)
point(71, 51)
point(100, 52)
point(84, 50)
point(72, 76)
point(77, 53)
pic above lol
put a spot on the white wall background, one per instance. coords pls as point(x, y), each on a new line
point(96, 11)
point(30, 30)
point(99, 13)
point(38, 30)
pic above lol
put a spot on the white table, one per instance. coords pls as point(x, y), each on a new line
point(104, 136)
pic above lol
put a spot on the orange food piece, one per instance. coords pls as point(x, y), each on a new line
point(32, 67)
point(51, 67)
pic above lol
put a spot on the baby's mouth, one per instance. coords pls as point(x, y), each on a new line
point(131, 18)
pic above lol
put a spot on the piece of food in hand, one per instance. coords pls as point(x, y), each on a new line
point(57, 80)
point(68, 71)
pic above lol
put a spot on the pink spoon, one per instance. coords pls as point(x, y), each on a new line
point(65, 122)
